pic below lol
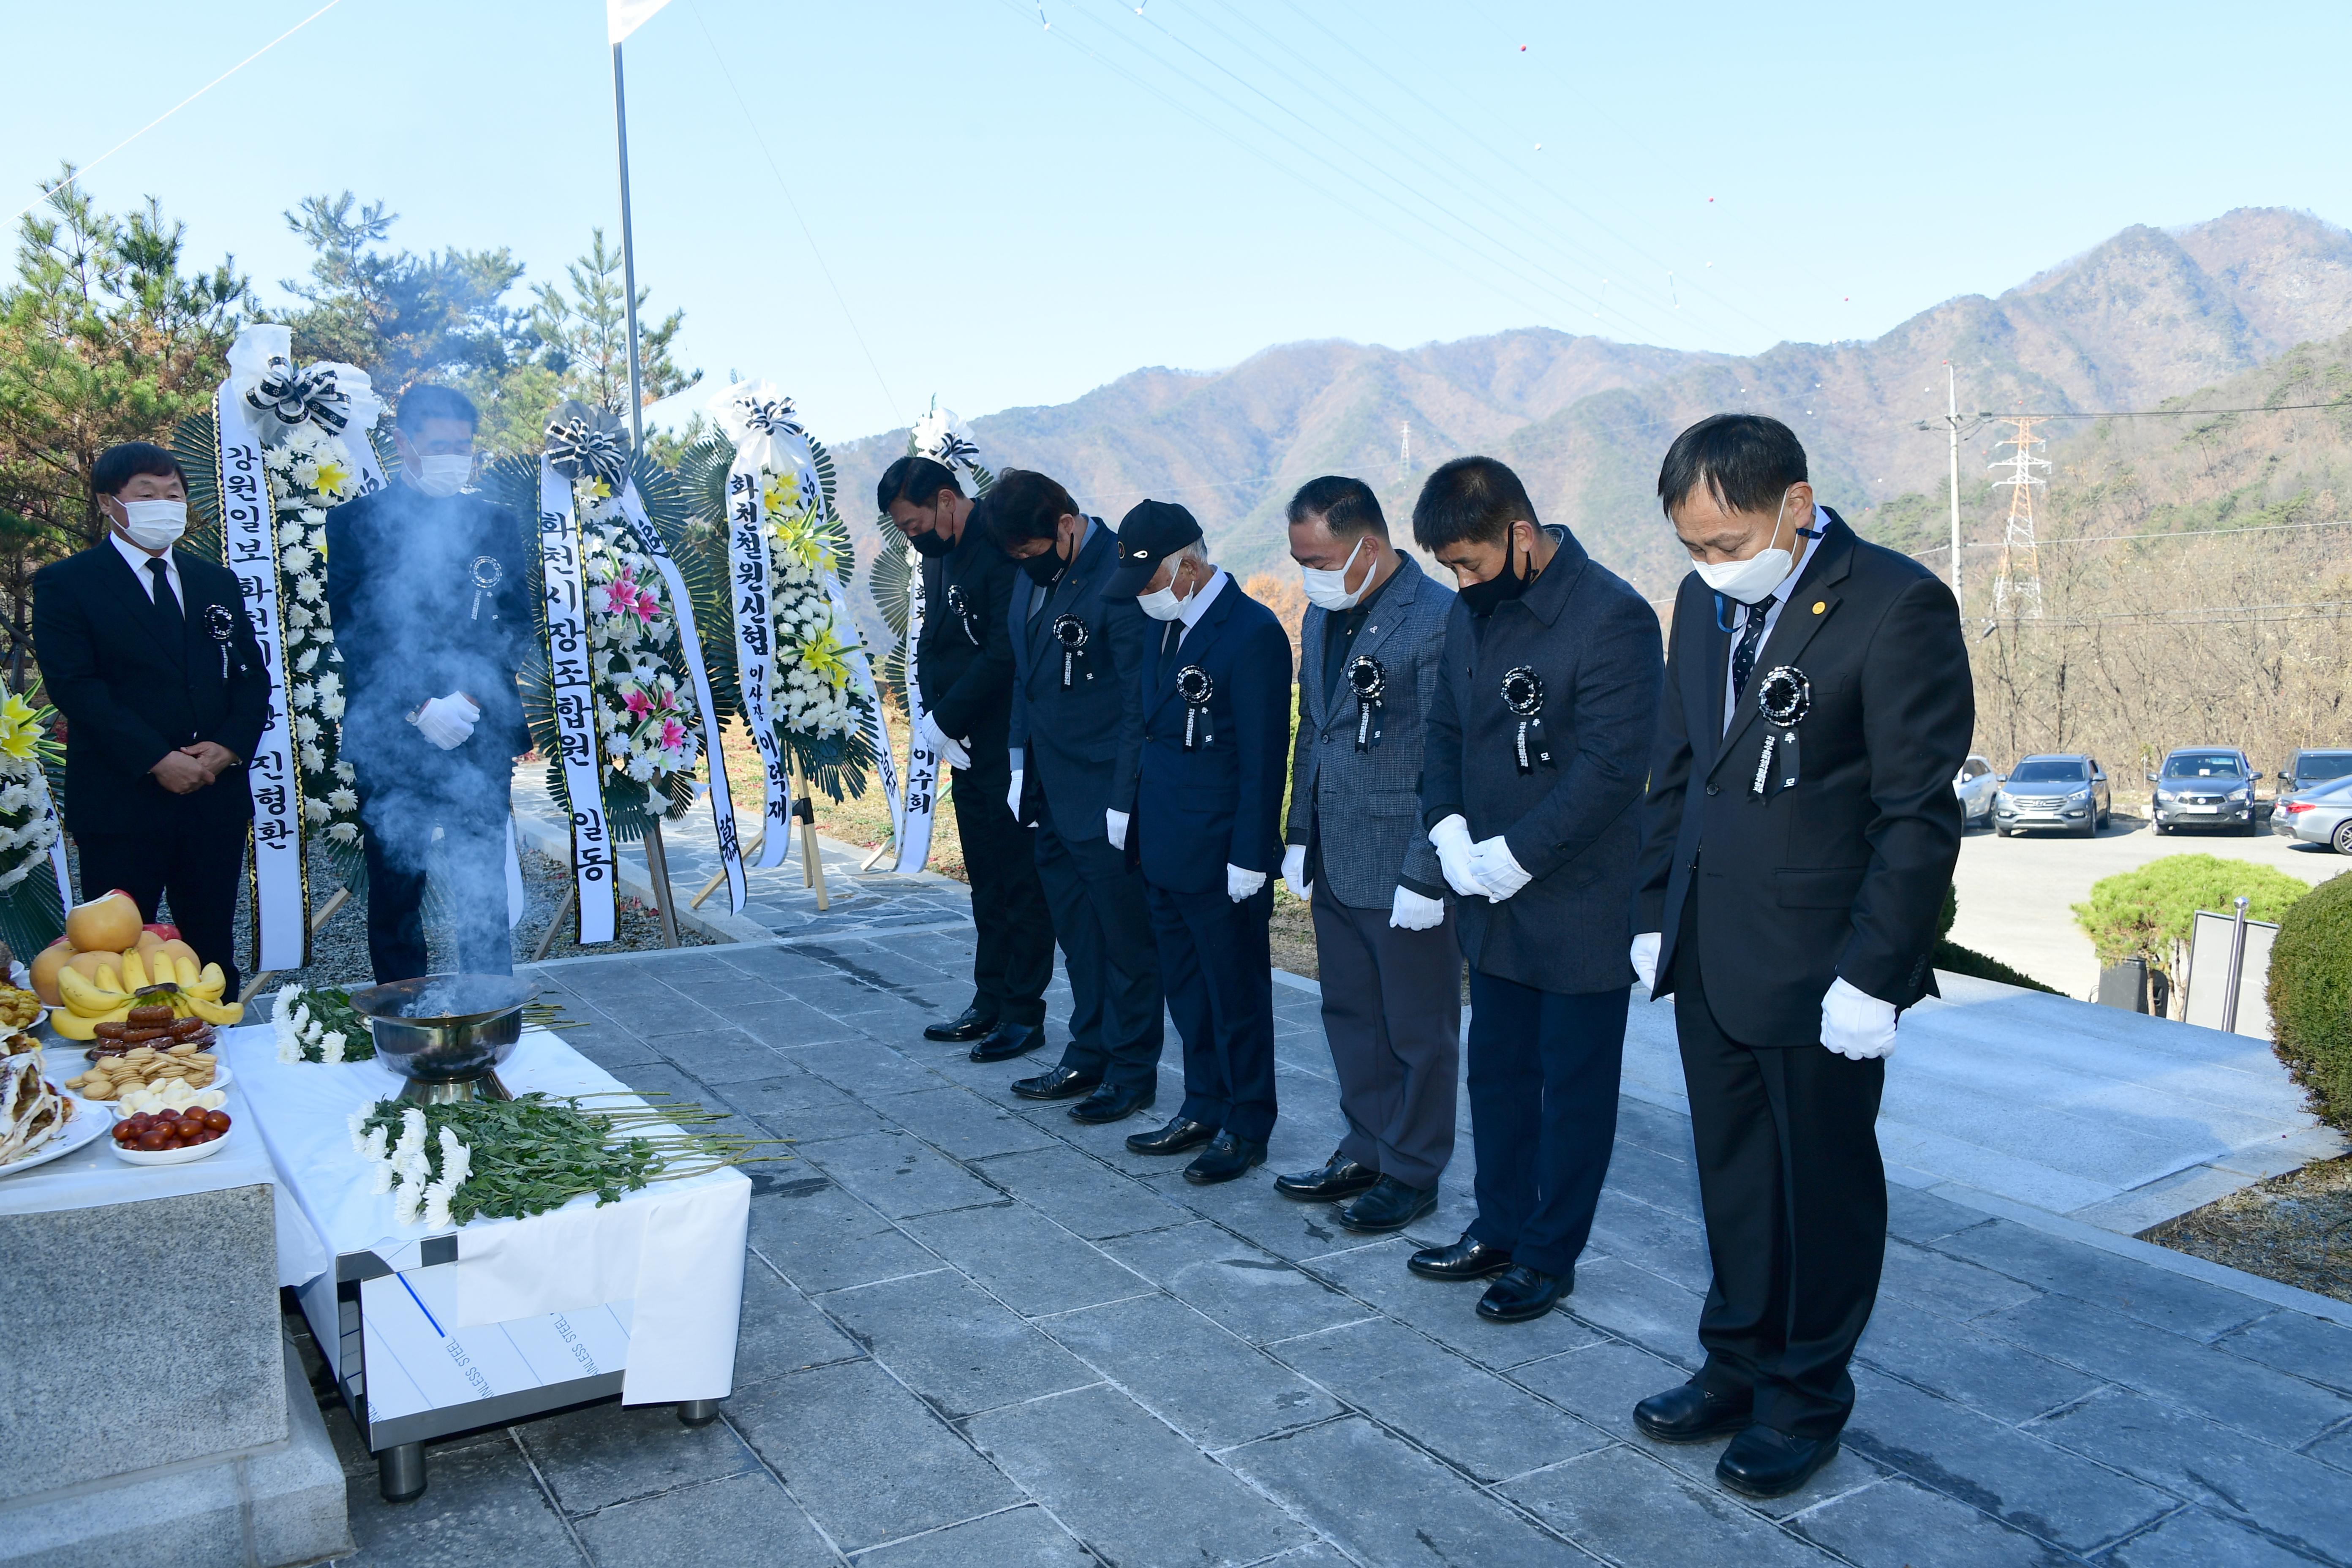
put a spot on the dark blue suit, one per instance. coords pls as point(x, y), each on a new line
point(1078, 744)
point(1198, 811)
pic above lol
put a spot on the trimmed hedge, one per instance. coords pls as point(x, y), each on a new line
point(2150, 912)
point(2310, 996)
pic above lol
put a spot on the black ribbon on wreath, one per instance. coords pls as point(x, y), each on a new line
point(1784, 697)
point(589, 443)
point(771, 416)
point(285, 397)
point(1523, 694)
point(222, 623)
point(1369, 682)
point(954, 451)
point(1070, 631)
point(1194, 686)
point(961, 607)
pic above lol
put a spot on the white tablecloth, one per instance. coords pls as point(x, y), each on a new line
point(674, 1249)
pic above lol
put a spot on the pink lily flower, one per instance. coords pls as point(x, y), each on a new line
point(638, 703)
point(673, 735)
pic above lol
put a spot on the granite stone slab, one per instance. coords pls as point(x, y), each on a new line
point(1017, 1538)
point(1205, 1381)
point(949, 1341)
point(711, 1522)
point(1252, 1293)
point(1643, 1514)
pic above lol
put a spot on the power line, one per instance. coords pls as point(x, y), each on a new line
point(1986, 416)
point(2138, 538)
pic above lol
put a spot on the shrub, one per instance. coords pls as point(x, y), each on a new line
point(2310, 998)
point(2148, 913)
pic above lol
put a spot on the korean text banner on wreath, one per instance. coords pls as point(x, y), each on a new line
point(572, 688)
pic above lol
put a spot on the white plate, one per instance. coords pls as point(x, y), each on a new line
point(2202, 810)
point(172, 1156)
point(221, 1074)
point(89, 1121)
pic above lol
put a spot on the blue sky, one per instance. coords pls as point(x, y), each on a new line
point(1013, 213)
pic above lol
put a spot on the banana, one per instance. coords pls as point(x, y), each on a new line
point(209, 985)
point(184, 970)
point(86, 998)
point(213, 1012)
point(110, 978)
point(134, 973)
point(72, 1026)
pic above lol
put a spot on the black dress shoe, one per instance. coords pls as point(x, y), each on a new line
point(1175, 1138)
point(970, 1024)
point(1524, 1294)
point(1062, 1083)
point(1761, 1462)
point(1008, 1040)
point(1107, 1104)
point(1465, 1259)
point(1689, 1413)
point(1391, 1206)
point(1223, 1160)
point(1340, 1177)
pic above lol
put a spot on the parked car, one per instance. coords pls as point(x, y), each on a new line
point(1974, 784)
point(2204, 786)
point(2311, 766)
point(2320, 814)
point(2063, 791)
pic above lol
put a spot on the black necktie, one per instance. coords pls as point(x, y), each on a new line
point(1168, 646)
point(167, 603)
point(1743, 657)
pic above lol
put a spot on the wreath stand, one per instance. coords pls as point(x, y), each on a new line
point(812, 863)
point(657, 868)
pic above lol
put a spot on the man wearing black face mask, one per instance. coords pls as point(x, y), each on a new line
point(1077, 741)
point(964, 661)
point(1539, 740)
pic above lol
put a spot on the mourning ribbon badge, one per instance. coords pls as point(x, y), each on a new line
point(486, 572)
point(1523, 694)
point(1193, 685)
point(1369, 682)
point(1070, 631)
point(1784, 696)
point(961, 609)
point(222, 623)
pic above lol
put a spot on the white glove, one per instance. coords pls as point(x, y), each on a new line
point(448, 722)
point(1409, 910)
point(1241, 885)
point(1494, 864)
point(1114, 827)
point(1450, 839)
point(1646, 958)
point(942, 746)
point(1294, 871)
point(1856, 1024)
point(1012, 796)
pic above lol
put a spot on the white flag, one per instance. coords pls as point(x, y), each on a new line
point(622, 18)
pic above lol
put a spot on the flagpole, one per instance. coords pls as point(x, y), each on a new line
point(656, 861)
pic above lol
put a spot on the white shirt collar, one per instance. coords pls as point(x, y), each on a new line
point(1198, 605)
point(137, 559)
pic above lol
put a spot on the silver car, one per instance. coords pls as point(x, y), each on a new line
point(1976, 783)
point(2062, 792)
point(2205, 786)
point(2320, 814)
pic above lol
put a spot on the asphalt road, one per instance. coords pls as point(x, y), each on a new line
point(2017, 894)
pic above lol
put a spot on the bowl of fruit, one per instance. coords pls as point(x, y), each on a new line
point(169, 1137)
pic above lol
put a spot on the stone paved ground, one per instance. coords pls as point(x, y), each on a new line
point(976, 1334)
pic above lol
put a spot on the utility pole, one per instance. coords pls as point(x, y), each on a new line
point(1952, 419)
point(1405, 451)
point(2018, 588)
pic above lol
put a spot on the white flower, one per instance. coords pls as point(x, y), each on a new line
point(330, 684)
point(343, 800)
point(456, 1160)
point(358, 1122)
point(380, 1179)
point(300, 693)
point(412, 1134)
point(298, 616)
point(314, 811)
point(306, 588)
point(332, 707)
point(344, 833)
point(373, 1147)
point(314, 516)
point(296, 558)
point(314, 760)
point(306, 729)
point(436, 1205)
point(344, 771)
point(291, 533)
point(310, 657)
point(331, 1049)
point(403, 1204)
point(642, 769)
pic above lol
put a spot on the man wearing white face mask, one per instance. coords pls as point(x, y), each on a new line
point(1370, 655)
point(1799, 832)
point(1207, 829)
point(149, 656)
point(427, 587)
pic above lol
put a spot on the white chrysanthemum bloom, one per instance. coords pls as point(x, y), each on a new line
point(329, 683)
point(331, 1049)
point(314, 516)
point(332, 707)
point(296, 558)
point(298, 616)
point(343, 800)
point(642, 769)
point(411, 1134)
point(302, 1019)
point(436, 1205)
point(300, 693)
point(358, 1123)
point(306, 588)
point(305, 727)
point(456, 1160)
point(373, 1145)
point(380, 1180)
point(403, 1204)
point(314, 760)
point(315, 812)
point(344, 833)
point(346, 772)
point(309, 658)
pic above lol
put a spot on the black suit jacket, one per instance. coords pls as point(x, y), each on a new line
point(964, 657)
point(131, 694)
point(1844, 873)
point(1080, 744)
point(400, 590)
point(1574, 826)
point(1220, 803)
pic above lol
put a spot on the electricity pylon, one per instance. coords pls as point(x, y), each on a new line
point(1404, 450)
point(2017, 588)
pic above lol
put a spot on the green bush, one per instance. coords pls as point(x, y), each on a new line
point(2310, 998)
point(2148, 913)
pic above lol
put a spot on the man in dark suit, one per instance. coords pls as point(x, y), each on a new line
point(1370, 663)
point(964, 661)
point(1538, 741)
point(1801, 833)
point(428, 585)
point(1208, 830)
point(1076, 736)
point(149, 656)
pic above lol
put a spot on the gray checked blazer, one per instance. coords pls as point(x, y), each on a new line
point(1366, 804)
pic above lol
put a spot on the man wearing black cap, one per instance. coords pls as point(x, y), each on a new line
point(1207, 829)
point(964, 662)
point(1077, 732)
